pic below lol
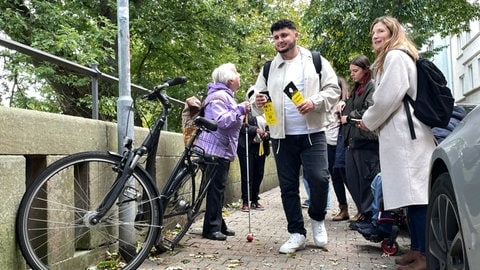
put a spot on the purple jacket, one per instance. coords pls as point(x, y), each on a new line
point(222, 107)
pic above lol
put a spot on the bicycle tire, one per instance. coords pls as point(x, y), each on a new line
point(182, 201)
point(53, 228)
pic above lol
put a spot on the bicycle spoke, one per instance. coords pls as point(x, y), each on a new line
point(55, 221)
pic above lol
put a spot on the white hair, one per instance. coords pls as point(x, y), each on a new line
point(224, 73)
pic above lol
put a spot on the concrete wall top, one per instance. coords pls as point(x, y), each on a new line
point(28, 132)
point(33, 132)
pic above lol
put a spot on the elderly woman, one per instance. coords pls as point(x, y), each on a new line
point(220, 105)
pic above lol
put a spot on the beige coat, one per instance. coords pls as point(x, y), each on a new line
point(404, 162)
point(324, 94)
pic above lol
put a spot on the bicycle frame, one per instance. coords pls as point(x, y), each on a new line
point(186, 165)
point(128, 218)
point(131, 156)
point(174, 201)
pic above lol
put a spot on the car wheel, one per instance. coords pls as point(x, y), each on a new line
point(445, 242)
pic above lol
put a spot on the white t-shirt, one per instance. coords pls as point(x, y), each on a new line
point(295, 123)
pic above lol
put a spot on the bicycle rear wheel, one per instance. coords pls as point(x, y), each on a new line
point(177, 200)
point(54, 227)
point(182, 202)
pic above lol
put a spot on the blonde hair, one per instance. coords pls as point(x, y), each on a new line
point(345, 89)
point(224, 73)
point(398, 39)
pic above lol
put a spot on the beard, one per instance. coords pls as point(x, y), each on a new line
point(288, 48)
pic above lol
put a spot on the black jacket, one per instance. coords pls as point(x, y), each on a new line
point(355, 107)
point(252, 132)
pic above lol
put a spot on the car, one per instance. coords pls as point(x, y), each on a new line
point(453, 216)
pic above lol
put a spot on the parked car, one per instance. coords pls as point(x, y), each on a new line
point(453, 218)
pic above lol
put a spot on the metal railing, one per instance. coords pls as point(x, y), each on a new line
point(92, 72)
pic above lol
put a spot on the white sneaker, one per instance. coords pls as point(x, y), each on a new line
point(319, 233)
point(296, 242)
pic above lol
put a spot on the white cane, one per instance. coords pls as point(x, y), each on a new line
point(247, 146)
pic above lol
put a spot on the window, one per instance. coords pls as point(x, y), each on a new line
point(462, 84)
point(470, 77)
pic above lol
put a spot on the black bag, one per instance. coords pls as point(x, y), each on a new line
point(434, 103)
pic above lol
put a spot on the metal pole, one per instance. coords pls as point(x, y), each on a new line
point(125, 123)
point(95, 94)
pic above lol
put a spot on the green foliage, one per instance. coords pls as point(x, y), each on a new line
point(171, 38)
point(341, 29)
point(73, 30)
point(168, 38)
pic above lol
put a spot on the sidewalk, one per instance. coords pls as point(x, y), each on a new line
point(346, 249)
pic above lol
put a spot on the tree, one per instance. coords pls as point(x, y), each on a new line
point(168, 38)
point(340, 29)
point(68, 29)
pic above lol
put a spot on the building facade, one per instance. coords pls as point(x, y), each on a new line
point(459, 60)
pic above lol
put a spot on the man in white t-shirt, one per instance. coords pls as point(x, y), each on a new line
point(298, 137)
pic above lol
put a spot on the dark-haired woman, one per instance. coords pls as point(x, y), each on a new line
point(361, 157)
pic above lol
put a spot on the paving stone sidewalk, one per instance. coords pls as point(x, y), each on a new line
point(346, 249)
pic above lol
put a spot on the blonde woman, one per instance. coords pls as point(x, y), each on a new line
point(404, 162)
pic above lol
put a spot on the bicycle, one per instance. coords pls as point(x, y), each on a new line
point(103, 210)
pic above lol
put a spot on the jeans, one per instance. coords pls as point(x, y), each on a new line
point(417, 222)
point(307, 190)
point(310, 152)
point(337, 175)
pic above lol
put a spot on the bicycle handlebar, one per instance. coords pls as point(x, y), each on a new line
point(171, 82)
point(157, 94)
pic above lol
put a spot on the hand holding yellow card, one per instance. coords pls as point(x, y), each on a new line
point(293, 93)
point(269, 111)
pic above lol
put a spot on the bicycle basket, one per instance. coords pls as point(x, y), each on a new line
point(213, 143)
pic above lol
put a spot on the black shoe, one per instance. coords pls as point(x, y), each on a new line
point(228, 232)
point(363, 225)
point(367, 231)
point(361, 222)
point(215, 236)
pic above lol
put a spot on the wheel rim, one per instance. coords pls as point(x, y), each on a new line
point(53, 223)
point(446, 243)
point(389, 249)
point(177, 209)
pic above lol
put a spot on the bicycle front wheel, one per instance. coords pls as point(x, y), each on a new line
point(54, 226)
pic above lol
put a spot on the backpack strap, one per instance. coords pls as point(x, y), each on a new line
point(408, 100)
point(266, 70)
point(317, 61)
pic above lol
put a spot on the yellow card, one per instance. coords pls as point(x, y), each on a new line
point(270, 116)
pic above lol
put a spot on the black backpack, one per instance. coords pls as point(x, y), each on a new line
point(434, 103)
point(317, 61)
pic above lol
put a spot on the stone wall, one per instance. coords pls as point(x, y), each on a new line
point(29, 140)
